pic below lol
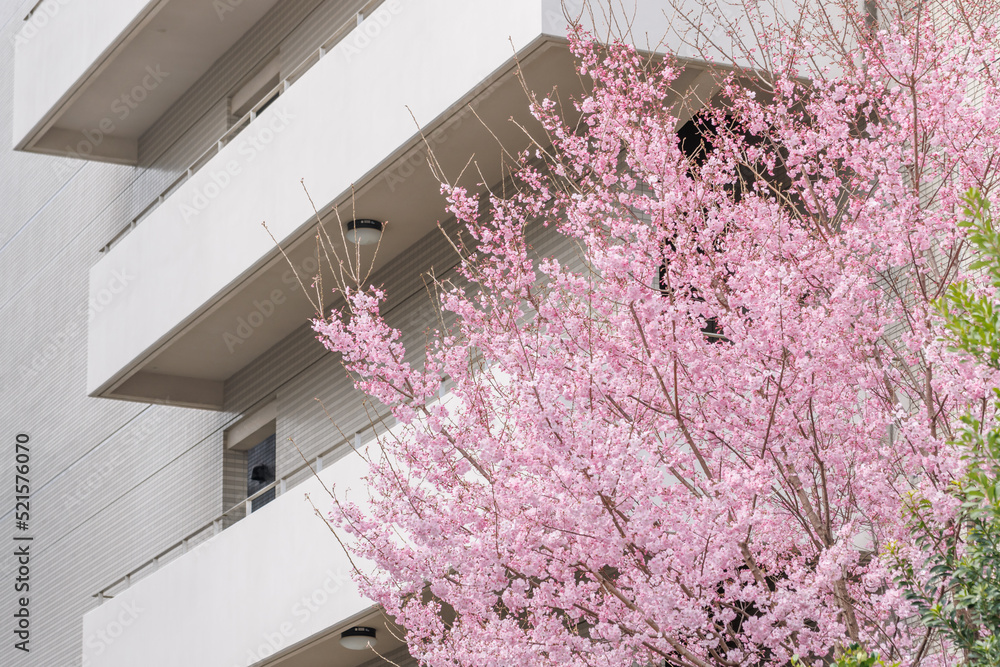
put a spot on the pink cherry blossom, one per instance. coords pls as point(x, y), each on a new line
point(694, 440)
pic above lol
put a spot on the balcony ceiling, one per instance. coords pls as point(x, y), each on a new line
point(326, 651)
point(178, 40)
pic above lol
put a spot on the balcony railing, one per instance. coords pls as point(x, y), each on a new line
point(282, 485)
point(216, 525)
point(307, 63)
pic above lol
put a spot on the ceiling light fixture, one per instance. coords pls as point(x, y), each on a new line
point(358, 638)
point(363, 231)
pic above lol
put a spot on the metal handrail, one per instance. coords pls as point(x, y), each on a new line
point(316, 465)
point(307, 63)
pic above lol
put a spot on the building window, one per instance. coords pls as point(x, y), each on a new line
point(255, 88)
point(248, 462)
point(260, 472)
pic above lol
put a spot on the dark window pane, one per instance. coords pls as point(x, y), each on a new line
point(261, 471)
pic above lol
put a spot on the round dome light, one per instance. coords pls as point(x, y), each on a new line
point(358, 638)
point(363, 231)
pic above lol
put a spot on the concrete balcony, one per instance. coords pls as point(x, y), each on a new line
point(197, 289)
point(90, 76)
point(275, 588)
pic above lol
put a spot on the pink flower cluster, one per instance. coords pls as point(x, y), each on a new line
point(695, 441)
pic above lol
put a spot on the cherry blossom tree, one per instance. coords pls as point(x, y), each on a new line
point(694, 440)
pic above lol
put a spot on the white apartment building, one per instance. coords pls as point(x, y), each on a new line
point(154, 343)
